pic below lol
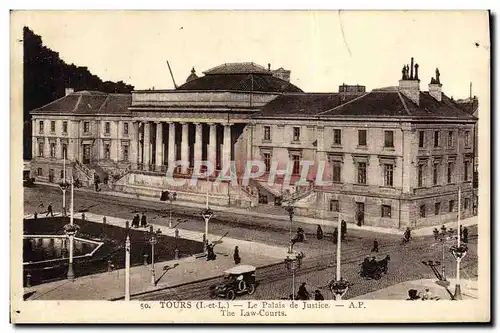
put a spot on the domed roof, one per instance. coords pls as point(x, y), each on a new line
point(245, 76)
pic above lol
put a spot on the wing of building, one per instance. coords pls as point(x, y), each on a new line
point(391, 157)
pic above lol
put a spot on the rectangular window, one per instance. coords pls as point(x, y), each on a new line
point(451, 206)
point(450, 138)
point(40, 127)
point(40, 172)
point(361, 137)
point(106, 127)
point(421, 138)
point(267, 133)
point(107, 154)
point(65, 127)
point(436, 139)
point(62, 175)
point(437, 208)
point(388, 174)
point(420, 175)
point(296, 164)
point(334, 205)
point(40, 148)
point(466, 170)
point(386, 211)
point(52, 149)
point(337, 137)
point(267, 161)
point(65, 150)
point(125, 128)
point(422, 211)
point(86, 127)
point(435, 170)
point(466, 203)
point(52, 126)
point(337, 170)
point(389, 139)
point(362, 173)
point(449, 172)
point(125, 153)
point(296, 134)
point(467, 138)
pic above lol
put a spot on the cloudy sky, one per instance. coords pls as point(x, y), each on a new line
point(322, 49)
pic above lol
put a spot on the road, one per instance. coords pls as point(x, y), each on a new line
point(275, 282)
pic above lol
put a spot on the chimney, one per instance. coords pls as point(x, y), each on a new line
point(68, 91)
point(409, 85)
point(269, 67)
point(435, 87)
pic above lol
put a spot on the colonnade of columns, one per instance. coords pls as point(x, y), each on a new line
point(162, 157)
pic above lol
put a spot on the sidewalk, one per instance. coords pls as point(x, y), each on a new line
point(399, 291)
point(111, 285)
point(307, 220)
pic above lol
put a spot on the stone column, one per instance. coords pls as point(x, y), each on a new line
point(134, 143)
point(46, 148)
point(147, 145)
point(198, 143)
point(212, 145)
point(159, 145)
point(226, 151)
point(185, 147)
point(171, 143)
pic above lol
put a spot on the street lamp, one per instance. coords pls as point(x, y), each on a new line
point(207, 214)
point(291, 212)
point(340, 285)
point(153, 240)
point(71, 229)
point(459, 252)
point(170, 196)
point(127, 268)
point(292, 263)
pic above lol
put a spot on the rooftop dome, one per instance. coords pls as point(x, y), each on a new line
point(243, 76)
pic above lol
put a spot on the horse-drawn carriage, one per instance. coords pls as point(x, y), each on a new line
point(373, 268)
point(237, 280)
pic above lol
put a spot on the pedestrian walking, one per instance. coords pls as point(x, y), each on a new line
point(49, 210)
point(465, 237)
point(210, 252)
point(319, 232)
point(41, 207)
point(375, 246)
point(303, 294)
point(443, 229)
point(343, 228)
point(318, 296)
point(236, 256)
point(335, 235)
point(436, 233)
point(143, 220)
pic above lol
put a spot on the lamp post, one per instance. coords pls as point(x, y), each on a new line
point(291, 212)
point(64, 185)
point(292, 263)
point(207, 214)
point(170, 196)
point(340, 285)
point(459, 251)
point(152, 241)
point(127, 268)
point(71, 229)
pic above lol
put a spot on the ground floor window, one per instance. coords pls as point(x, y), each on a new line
point(466, 203)
point(39, 172)
point(451, 206)
point(437, 208)
point(334, 205)
point(422, 211)
point(125, 152)
point(386, 211)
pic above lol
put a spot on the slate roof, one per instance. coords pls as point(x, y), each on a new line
point(87, 103)
point(237, 68)
point(469, 105)
point(381, 103)
point(241, 82)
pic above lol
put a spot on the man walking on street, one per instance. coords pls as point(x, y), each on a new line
point(236, 256)
point(49, 210)
point(143, 220)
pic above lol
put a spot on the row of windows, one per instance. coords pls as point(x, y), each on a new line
point(337, 136)
point(52, 149)
point(86, 127)
point(435, 173)
point(437, 139)
point(386, 210)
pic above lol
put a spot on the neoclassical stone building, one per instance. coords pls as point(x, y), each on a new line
point(393, 157)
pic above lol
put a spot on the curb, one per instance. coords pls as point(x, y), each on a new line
point(181, 284)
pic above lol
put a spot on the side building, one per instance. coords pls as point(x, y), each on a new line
point(392, 157)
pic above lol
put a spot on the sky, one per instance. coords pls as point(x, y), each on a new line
point(323, 49)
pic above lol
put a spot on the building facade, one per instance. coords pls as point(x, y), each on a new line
point(391, 157)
